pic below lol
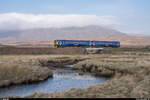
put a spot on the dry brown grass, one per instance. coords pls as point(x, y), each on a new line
point(22, 69)
point(39, 50)
point(130, 71)
point(18, 69)
point(131, 76)
point(126, 41)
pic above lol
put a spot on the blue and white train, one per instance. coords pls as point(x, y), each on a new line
point(83, 43)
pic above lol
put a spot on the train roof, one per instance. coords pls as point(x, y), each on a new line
point(88, 40)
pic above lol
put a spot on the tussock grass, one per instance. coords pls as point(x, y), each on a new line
point(113, 64)
point(15, 74)
point(60, 61)
point(19, 69)
point(130, 71)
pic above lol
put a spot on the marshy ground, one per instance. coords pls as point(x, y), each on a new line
point(128, 70)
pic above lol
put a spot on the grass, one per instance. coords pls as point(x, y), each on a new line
point(39, 50)
point(24, 69)
point(105, 68)
point(129, 72)
point(21, 69)
point(15, 74)
point(60, 61)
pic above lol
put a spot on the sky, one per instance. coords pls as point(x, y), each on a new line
point(130, 16)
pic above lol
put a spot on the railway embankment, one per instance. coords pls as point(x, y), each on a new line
point(40, 51)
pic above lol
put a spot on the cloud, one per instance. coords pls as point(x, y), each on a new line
point(20, 21)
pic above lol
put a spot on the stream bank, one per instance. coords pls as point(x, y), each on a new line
point(63, 80)
point(129, 74)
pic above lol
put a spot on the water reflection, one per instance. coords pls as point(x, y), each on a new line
point(62, 81)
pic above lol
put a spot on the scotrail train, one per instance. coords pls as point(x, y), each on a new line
point(83, 43)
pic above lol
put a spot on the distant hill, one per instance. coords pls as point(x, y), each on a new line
point(45, 37)
point(49, 34)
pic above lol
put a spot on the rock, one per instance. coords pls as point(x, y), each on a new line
point(93, 50)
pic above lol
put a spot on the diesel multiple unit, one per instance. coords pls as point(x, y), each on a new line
point(82, 43)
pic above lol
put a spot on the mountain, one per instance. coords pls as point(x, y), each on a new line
point(50, 34)
point(44, 37)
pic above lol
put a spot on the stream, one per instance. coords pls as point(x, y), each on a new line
point(63, 80)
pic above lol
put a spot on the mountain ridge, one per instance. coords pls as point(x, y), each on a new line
point(47, 34)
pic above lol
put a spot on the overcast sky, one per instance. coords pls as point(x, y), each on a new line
point(132, 16)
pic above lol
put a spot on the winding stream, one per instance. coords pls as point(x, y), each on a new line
point(62, 81)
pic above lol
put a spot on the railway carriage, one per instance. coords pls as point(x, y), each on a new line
point(106, 44)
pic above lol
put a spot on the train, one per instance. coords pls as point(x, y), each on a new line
point(85, 43)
